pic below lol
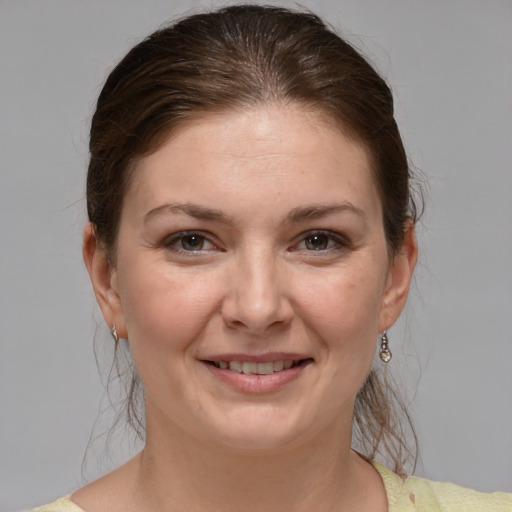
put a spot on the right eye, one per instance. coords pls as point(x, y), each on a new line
point(189, 242)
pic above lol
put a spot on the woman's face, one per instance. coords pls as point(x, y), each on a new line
point(252, 278)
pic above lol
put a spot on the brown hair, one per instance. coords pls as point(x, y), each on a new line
point(233, 58)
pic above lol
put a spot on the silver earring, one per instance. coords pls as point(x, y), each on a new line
point(384, 352)
point(113, 331)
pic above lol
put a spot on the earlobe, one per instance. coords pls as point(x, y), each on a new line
point(104, 280)
point(399, 280)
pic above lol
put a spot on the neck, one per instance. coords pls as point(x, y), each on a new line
point(182, 473)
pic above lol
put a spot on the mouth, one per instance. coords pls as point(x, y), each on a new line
point(259, 368)
point(257, 374)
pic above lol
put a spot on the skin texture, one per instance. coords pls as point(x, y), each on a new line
point(254, 234)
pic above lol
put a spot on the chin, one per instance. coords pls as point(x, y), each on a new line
point(259, 430)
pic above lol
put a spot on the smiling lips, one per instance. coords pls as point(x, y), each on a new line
point(257, 374)
point(253, 368)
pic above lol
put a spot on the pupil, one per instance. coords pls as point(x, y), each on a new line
point(193, 242)
point(317, 242)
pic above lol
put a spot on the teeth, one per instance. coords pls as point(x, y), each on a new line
point(236, 366)
point(250, 368)
point(266, 368)
point(278, 366)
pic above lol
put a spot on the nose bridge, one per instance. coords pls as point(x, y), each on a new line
point(257, 298)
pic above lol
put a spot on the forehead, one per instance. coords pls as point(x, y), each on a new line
point(284, 153)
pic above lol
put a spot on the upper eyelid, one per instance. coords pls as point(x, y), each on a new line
point(188, 232)
point(331, 234)
point(175, 237)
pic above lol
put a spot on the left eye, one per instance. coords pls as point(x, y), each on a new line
point(319, 242)
point(192, 242)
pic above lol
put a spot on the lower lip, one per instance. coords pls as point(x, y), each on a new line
point(257, 384)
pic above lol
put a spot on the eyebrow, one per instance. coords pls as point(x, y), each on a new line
point(193, 210)
point(299, 214)
point(318, 211)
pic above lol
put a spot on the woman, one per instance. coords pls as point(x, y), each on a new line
point(251, 237)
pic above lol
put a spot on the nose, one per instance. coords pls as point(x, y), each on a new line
point(257, 299)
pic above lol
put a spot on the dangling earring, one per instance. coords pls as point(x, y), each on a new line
point(113, 331)
point(384, 352)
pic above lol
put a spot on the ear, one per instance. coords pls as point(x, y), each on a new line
point(104, 281)
point(399, 280)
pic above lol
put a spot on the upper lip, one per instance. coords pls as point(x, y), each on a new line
point(257, 358)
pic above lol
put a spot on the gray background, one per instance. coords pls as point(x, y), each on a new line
point(450, 65)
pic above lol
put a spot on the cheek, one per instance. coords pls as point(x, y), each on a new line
point(344, 305)
point(164, 309)
point(342, 312)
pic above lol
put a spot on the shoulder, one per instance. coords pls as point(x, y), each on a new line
point(451, 497)
point(61, 505)
point(420, 495)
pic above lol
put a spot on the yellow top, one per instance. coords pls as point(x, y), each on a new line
point(420, 495)
point(411, 495)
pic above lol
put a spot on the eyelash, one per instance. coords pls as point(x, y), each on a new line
point(335, 242)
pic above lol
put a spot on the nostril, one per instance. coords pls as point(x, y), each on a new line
point(237, 324)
